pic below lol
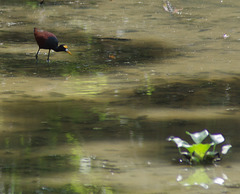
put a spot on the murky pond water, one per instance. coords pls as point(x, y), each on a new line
point(97, 121)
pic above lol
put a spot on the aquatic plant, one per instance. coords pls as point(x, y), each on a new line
point(200, 153)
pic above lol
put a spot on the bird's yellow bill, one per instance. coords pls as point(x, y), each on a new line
point(65, 46)
point(69, 52)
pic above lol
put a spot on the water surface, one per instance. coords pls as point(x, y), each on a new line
point(97, 121)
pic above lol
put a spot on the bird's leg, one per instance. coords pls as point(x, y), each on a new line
point(48, 55)
point(37, 55)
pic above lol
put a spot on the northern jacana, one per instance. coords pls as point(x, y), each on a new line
point(47, 40)
point(41, 2)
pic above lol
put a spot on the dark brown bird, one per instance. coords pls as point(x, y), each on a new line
point(47, 40)
point(41, 2)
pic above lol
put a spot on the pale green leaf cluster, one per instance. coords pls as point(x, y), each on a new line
point(200, 152)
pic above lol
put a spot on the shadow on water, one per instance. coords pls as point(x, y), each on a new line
point(93, 55)
point(51, 146)
point(116, 51)
point(192, 93)
point(37, 3)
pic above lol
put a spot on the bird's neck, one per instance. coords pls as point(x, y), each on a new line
point(57, 49)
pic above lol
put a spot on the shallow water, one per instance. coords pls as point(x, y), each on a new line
point(97, 121)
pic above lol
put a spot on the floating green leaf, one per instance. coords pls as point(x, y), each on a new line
point(199, 150)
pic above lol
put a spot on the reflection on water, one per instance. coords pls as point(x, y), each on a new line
point(201, 177)
point(97, 121)
point(53, 144)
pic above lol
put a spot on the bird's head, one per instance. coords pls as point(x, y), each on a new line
point(64, 47)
